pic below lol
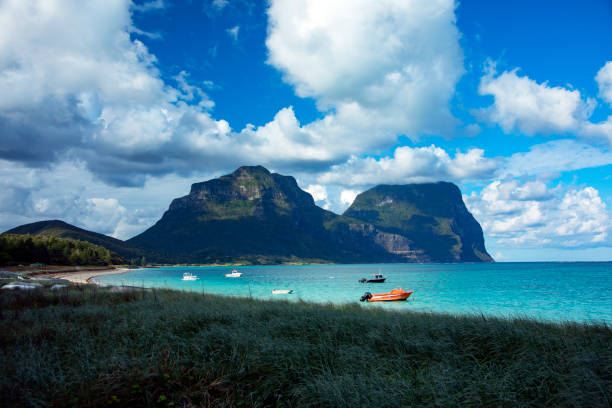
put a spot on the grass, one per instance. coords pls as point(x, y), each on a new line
point(92, 347)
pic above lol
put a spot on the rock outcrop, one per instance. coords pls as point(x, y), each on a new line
point(256, 216)
point(431, 217)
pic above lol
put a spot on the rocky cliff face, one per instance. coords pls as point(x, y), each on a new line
point(431, 217)
point(254, 187)
point(251, 215)
point(256, 216)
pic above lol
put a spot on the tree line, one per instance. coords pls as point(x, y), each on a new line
point(27, 249)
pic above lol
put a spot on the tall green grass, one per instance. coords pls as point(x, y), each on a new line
point(91, 347)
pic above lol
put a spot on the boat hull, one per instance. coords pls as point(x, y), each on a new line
point(393, 296)
point(282, 291)
point(377, 278)
point(233, 274)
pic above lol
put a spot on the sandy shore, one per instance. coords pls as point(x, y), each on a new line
point(80, 276)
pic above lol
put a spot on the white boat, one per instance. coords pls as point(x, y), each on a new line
point(189, 277)
point(282, 291)
point(234, 274)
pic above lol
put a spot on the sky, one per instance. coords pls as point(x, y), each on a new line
point(109, 109)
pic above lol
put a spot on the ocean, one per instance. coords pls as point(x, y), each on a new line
point(554, 291)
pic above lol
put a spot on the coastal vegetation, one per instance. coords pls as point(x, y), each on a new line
point(90, 347)
point(61, 229)
point(27, 249)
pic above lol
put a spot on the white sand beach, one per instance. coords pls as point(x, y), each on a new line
point(80, 276)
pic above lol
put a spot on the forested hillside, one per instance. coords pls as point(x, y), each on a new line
point(27, 249)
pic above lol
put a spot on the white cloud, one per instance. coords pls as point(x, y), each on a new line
point(555, 157)
point(410, 165)
point(523, 104)
point(584, 213)
point(532, 215)
point(150, 5)
point(382, 68)
point(220, 4)
point(601, 130)
point(318, 192)
point(233, 32)
point(604, 80)
point(105, 212)
point(111, 109)
point(348, 196)
point(71, 193)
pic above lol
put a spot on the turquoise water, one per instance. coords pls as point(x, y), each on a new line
point(549, 291)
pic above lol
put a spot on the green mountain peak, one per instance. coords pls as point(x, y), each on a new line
point(431, 215)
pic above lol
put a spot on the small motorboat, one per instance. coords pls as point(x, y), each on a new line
point(395, 294)
point(189, 277)
point(376, 278)
point(282, 291)
point(234, 274)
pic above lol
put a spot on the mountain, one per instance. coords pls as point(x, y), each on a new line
point(431, 216)
point(256, 216)
point(252, 216)
point(61, 229)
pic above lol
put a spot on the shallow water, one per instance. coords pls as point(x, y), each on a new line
point(546, 290)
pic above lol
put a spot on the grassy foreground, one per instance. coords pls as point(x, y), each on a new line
point(90, 347)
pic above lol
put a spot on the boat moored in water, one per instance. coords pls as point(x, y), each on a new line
point(377, 278)
point(234, 274)
point(282, 291)
point(395, 294)
point(189, 277)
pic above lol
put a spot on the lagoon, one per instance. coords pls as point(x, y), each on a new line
point(555, 291)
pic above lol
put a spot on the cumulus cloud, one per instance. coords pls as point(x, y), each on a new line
point(68, 86)
point(87, 91)
point(521, 103)
point(532, 215)
point(317, 191)
point(348, 196)
point(604, 80)
point(68, 191)
point(381, 68)
point(412, 165)
point(112, 111)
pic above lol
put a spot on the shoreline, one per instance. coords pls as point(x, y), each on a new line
point(79, 275)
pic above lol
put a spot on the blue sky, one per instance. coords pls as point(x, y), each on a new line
point(109, 109)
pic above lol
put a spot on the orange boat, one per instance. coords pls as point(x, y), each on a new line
point(395, 294)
